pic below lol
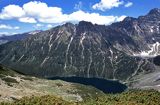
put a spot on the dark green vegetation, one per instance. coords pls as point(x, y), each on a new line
point(42, 100)
point(131, 97)
point(7, 74)
point(9, 80)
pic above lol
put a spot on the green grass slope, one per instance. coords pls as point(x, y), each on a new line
point(131, 97)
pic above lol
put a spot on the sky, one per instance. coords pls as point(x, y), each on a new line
point(19, 16)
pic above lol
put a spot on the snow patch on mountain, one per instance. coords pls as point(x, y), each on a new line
point(154, 51)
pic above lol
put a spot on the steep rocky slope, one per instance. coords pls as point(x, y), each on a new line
point(118, 51)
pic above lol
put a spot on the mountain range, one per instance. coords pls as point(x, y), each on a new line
point(121, 51)
point(7, 38)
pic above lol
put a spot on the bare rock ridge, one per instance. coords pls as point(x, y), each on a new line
point(118, 51)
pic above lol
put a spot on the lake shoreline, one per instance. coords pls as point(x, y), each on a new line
point(107, 86)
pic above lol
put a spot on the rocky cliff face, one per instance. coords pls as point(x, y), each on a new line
point(119, 51)
point(144, 31)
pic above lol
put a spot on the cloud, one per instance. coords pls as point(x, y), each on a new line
point(95, 18)
point(49, 26)
point(16, 28)
point(41, 10)
point(3, 26)
point(6, 34)
point(27, 20)
point(45, 14)
point(121, 18)
point(78, 6)
point(107, 4)
point(129, 4)
point(12, 11)
point(38, 25)
point(42, 25)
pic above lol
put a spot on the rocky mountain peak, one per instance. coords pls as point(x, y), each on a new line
point(153, 16)
point(155, 11)
point(85, 23)
point(127, 19)
point(84, 26)
point(68, 24)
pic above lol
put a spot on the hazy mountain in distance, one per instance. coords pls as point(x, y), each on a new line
point(7, 38)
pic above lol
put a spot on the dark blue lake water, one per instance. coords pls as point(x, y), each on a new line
point(107, 86)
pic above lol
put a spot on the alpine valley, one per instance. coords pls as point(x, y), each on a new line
point(122, 51)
